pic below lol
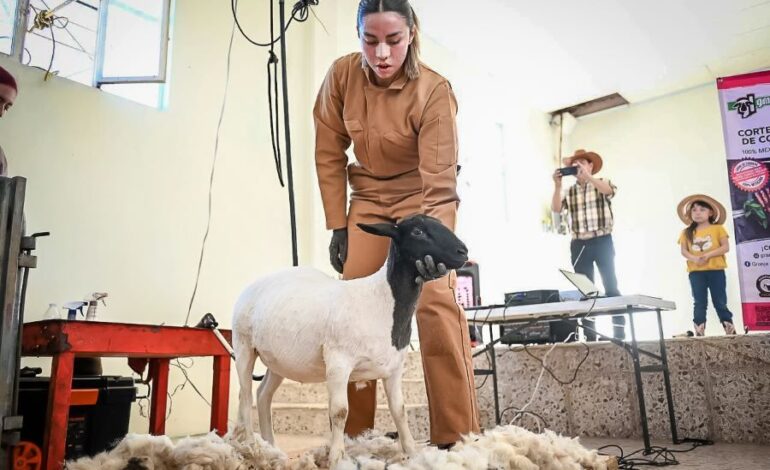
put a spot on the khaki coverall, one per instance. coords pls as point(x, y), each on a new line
point(405, 143)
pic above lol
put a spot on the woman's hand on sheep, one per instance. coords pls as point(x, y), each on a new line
point(429, 270)
point(338, 249)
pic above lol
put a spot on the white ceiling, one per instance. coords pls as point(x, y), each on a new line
point(564, 52)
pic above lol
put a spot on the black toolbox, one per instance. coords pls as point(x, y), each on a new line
point(98, 418)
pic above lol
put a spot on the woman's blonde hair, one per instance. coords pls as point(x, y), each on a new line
point(403, 8)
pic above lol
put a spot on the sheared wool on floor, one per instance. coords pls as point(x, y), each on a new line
point(503, 448)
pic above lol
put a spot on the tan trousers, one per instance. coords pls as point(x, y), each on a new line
point(442, 328)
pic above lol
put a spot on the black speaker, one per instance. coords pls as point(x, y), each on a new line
point(540, 332)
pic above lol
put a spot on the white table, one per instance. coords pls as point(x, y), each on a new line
point(573, 310)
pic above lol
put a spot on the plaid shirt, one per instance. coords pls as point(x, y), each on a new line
point(590, 211)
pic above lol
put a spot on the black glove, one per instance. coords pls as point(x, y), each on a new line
point(338, 248)
point(428, 270)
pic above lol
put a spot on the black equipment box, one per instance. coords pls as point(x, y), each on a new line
point(540, 332)
point(531, 297)
point(91, 428)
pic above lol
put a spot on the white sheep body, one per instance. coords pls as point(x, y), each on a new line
point(294, 316)
point(308, 327)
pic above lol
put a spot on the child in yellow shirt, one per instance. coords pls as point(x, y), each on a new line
point(704, 243)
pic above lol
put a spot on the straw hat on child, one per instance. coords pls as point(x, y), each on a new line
point(683, 209)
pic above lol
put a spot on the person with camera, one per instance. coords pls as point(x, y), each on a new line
point(588, 204)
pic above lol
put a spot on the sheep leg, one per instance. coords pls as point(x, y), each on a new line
point(265, 392)
point(398, 411)
point(337, 377)
point(245, 357)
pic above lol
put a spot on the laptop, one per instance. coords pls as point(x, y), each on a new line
point(583, 284)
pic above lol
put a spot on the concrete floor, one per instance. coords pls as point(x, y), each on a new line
point(294, 445)
point(716, 457)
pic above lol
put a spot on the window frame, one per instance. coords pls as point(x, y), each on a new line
point(20, 32)
point(101, 31)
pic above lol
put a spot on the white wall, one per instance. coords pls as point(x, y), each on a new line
point(123, 188)
point(658, 152)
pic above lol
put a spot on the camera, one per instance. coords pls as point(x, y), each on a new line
point(570, 170)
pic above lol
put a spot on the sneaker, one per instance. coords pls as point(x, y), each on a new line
point(729, 327)
point(700, 330)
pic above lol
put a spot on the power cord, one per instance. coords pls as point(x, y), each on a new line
point(183, 369)
point(539, 380)
point(548, 369)
point(48, 19)
point(657, 457)
point(521, 413)
point(299, 13)
point(213, 171)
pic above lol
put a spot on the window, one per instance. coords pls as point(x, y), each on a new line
point(120, 46)
point(7, 23)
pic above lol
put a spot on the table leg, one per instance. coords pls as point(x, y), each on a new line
point(59, 393)
point(667, 380)
point(159, 377)
point(220, 394)
point(493, 367)
point(638, 378)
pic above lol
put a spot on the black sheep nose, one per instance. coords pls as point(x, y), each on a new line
point(463, 250)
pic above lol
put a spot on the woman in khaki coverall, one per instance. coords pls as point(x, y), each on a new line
point(400, 117)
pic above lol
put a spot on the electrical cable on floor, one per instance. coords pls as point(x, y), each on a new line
point(658, 457)
point(213, 171)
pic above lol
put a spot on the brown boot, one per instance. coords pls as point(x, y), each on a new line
point(700, 330)
point(729, 327)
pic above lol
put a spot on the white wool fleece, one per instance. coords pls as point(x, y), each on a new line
point(295, 316)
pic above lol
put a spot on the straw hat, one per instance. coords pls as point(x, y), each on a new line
point(683, 209)
point(592, 157)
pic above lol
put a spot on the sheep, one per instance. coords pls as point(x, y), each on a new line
point(309, 327)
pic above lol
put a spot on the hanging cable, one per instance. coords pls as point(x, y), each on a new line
point(299, 12)
point(211, 177)
point(272, 80)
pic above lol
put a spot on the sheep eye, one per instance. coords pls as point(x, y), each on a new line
point(416, 232)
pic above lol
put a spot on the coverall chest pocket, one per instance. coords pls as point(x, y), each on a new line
point(400, 151)
point(358, 136)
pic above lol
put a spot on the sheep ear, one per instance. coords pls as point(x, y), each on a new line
point(382, 230)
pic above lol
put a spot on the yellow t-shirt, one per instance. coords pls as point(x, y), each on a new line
point(703, 241)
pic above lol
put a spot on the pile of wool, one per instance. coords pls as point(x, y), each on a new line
point(209, 452)
point(501, 448)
